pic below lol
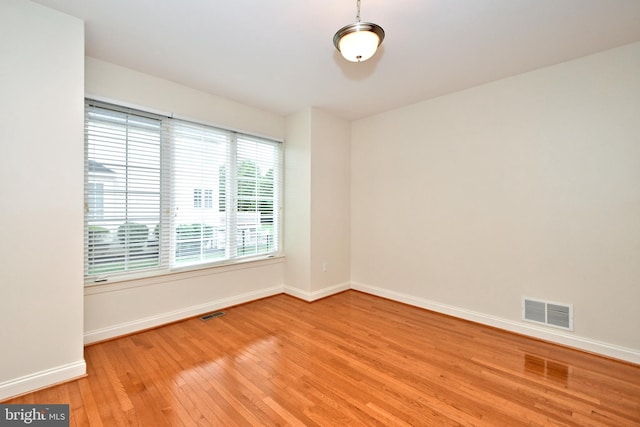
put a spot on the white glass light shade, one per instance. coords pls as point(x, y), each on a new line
point(359, 46)
point(358, 42)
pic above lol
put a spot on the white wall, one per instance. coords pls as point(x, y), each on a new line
point(330, 202)
point(119, 308)
point(297, 203)
point(41, 188)
point(112, 82)
point(317, 204)
point(528, 186)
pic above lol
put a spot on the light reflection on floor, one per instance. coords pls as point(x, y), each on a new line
point(558, 373)
point(229, 370)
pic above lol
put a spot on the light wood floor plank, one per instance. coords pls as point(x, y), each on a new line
point(349, 359)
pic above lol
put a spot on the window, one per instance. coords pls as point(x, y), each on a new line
point(95, 200)
point(197, 198)
point(208, 199)
point(164, 194)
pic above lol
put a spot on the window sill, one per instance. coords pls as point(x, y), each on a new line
point(131, 281)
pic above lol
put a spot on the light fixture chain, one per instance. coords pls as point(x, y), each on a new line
point(358, 15)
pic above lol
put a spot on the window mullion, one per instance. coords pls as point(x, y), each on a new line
point(232, 200)
point(164, 234)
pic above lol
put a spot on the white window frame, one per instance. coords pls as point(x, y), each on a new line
point(208, 198)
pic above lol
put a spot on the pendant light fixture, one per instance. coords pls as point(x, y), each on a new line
point(358, 42)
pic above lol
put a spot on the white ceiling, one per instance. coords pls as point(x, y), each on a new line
point(278, 55)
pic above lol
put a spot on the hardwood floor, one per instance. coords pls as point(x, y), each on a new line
point(350, 359)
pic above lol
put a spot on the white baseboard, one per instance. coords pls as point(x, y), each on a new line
point(38, 380)
point(172, 316)
point(316, 295)
point(137, 325)
point(535, 331)
point(605, 349)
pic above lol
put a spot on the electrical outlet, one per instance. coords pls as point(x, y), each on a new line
point(325, 267)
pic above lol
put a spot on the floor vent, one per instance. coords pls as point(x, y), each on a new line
point(210, 316)
point(548, 313)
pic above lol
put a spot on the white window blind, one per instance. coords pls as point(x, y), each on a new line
point(122, 191)
point(257, 171)
point(199, 156)
point(164, 194)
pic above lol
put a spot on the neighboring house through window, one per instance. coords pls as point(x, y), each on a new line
point(99, 176)
point(202, 198)
point(197, 198)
